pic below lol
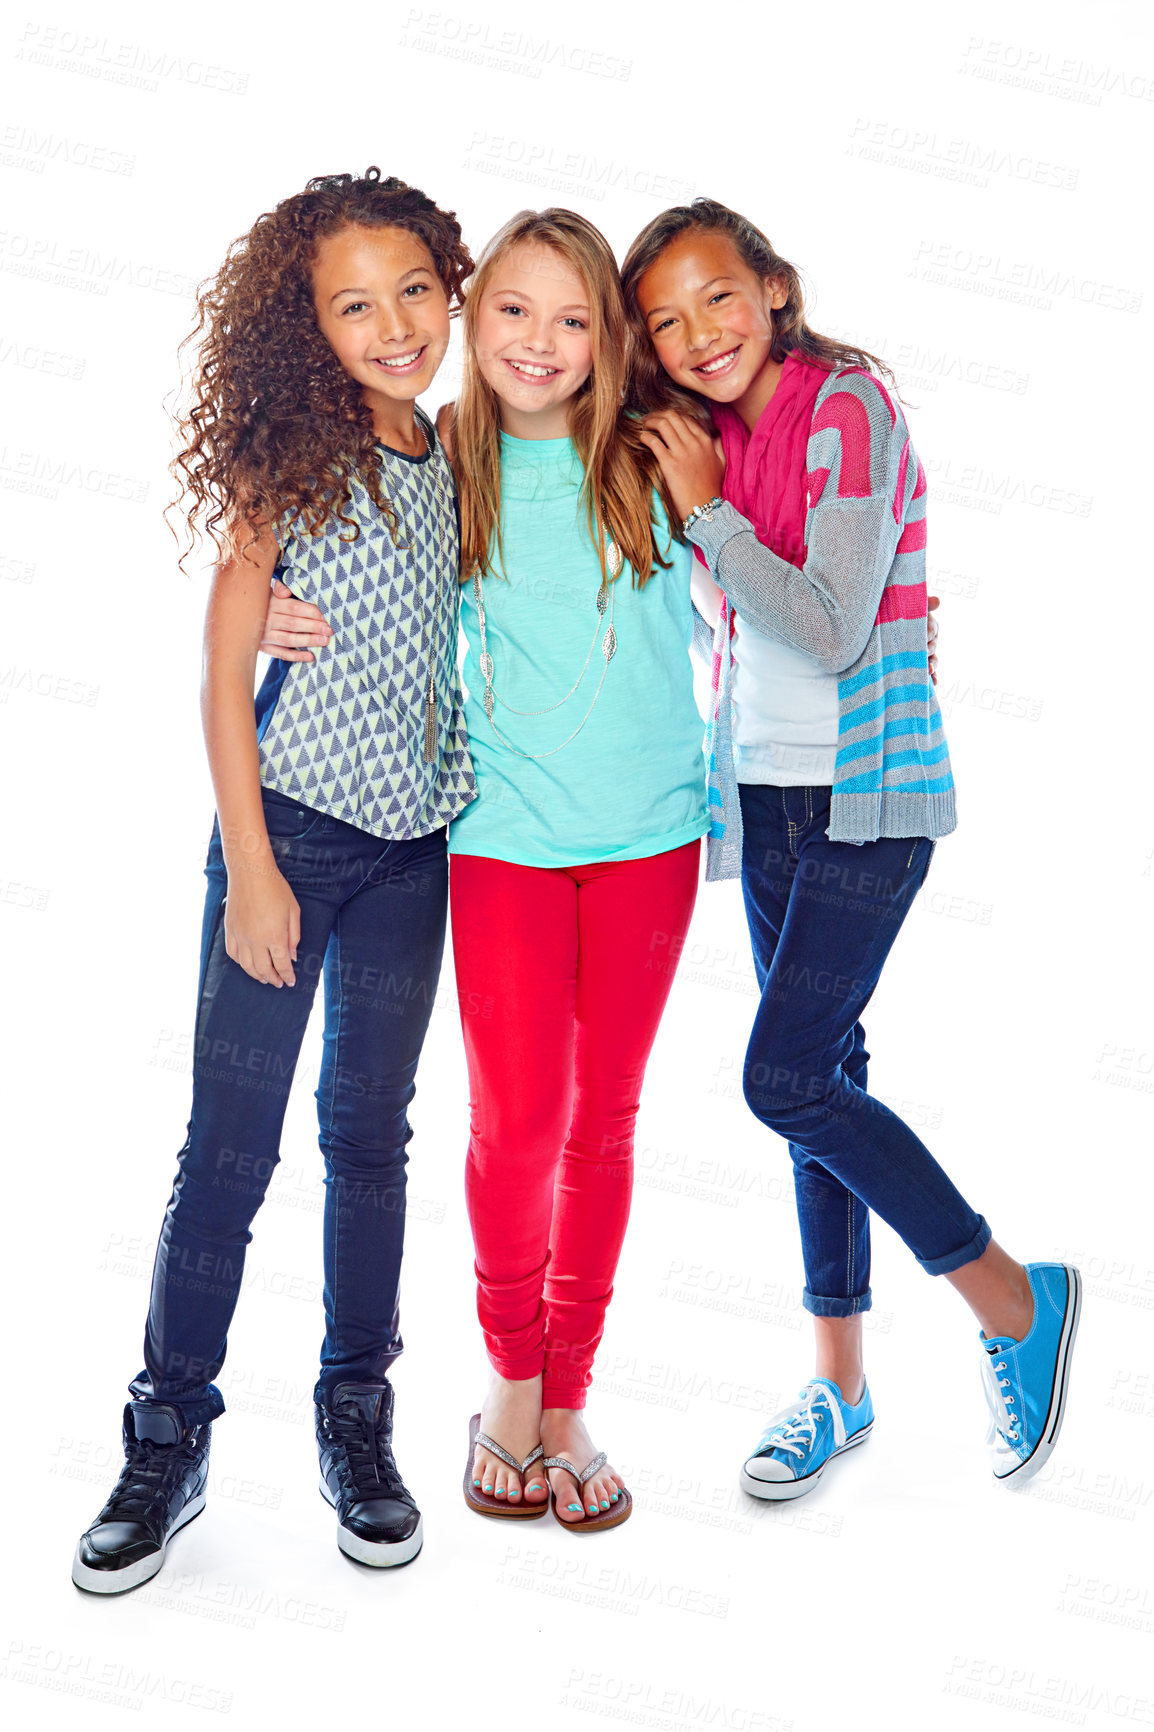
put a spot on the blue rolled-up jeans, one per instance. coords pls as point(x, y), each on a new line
point(373, 926)
point(822, 917)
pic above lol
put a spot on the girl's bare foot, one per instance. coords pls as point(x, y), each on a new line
point(511, 1416)
point(563, 1433)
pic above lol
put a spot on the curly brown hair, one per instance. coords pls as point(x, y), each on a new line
point(274, 428)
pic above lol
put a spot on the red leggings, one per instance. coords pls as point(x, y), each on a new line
point(562, 974)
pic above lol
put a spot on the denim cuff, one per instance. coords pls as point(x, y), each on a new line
point(818, 1307)
point(969, 1252)
point(198, 1410)
point(375, 1371)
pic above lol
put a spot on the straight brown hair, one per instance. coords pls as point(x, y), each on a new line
point(651, 388)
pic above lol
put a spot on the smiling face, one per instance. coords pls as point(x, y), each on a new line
point(710, 319)
point(532, 340)
point(385, 314)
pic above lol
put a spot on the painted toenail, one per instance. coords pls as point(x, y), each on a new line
point(576, 1507)
point(500, 1491)
point(613, 1499)
point(604, 1503)
point(476, 1482)
point(488, 1488)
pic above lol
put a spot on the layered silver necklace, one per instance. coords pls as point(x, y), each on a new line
point(490, 699)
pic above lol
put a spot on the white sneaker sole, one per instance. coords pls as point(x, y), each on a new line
point(782, 1490)
point(381, 1554)
point(120, 1581)
point(1044, 1447)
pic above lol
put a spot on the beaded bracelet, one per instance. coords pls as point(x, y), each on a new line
point(705, 511)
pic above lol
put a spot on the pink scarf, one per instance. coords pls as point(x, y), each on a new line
point(765, 471)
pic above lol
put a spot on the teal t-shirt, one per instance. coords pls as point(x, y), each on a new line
point(632, 782)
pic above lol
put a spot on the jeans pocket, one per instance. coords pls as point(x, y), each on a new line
point(926, 867)
point(286, 819)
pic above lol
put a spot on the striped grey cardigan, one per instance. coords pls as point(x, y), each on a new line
point(858, 607)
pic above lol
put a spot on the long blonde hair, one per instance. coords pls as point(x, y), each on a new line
point(619, 471)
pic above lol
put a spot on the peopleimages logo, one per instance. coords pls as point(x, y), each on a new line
point(504, 50)
point(538, 162)
point(650, 1702)
point(33, 358)
point(1025, 66)
point(44, 473)
point(924, 367)
point(29, 148)
point(133, 65)
point(1046, 1694)
point(969, 161)
point(116, 1683)
point(1021, 282)
point(45, 258)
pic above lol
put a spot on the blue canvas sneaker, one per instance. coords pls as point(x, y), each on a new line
point(795, 1446)
point(1026, 1381)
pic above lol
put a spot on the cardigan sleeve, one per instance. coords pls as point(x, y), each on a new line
point(864, 486)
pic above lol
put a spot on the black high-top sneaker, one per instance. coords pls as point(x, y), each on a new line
point(379, 1523)
point(159, 1490)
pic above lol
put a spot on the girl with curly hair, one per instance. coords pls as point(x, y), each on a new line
point(303, 453)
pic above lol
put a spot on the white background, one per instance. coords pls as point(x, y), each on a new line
point(967, 195)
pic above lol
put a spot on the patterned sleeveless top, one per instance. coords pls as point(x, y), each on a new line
point(345, 734)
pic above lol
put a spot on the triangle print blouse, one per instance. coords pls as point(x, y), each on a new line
point(345, 734)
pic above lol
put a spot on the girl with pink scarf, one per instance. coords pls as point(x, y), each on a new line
point(791, 466)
